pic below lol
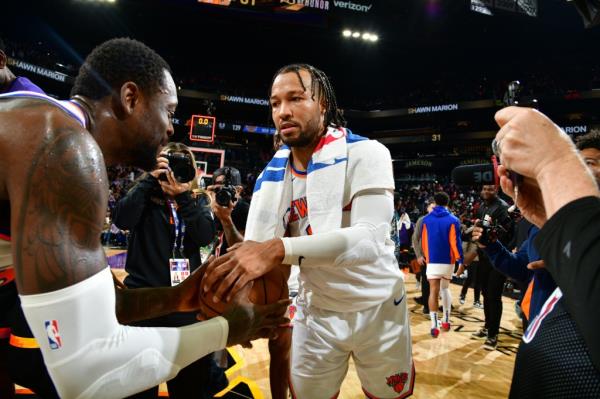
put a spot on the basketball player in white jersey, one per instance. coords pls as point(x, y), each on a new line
point(352, 298)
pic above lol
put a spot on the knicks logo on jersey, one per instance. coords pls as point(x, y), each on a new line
point(296, 218)
point(298, 210)
point(53, 333)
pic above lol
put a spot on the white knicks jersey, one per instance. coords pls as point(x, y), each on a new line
point(349, 288)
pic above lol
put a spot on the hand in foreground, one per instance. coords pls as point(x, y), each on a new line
point(243, 262)
point(529, 141)
point(529, 201)
point(248, 321)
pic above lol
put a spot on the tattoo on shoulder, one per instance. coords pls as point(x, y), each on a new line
point(61, 215)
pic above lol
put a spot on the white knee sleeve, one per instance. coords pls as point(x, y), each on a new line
point(89, 354)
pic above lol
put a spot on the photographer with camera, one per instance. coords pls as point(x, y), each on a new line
point(493, 213)
point(230, 209)
point(168, 227)
point(231, 212)
point(560, 352)
point(539, 282)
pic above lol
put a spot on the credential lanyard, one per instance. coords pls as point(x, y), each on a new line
point(179, 229)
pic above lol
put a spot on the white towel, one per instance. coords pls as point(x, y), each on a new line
point(330, 179)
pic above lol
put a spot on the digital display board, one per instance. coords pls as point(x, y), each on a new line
point(202, 128)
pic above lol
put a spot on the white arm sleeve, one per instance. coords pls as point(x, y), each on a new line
point(89, 354)
point(363, 241)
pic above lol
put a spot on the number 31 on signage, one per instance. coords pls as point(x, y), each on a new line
point(436, 137)
point(246, 2)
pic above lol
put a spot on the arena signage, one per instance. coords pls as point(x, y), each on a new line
point(433, 108)
point(25, 66)
point(474, 161)
point(349, 5)
point(244, 100)
point(577, 129)
point(418, 163)
point(318, 4)
point(245, 128)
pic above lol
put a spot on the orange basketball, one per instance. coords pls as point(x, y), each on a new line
point(266, 289)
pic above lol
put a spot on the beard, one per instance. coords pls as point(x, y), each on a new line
point(305, 137)
point(145, 156)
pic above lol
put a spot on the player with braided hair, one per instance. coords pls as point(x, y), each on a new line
point(325, 202)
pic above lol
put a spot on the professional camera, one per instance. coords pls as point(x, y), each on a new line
point(226, 194)
point(491, 231)
point(182, 167)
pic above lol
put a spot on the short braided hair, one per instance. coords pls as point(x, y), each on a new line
point(333, 115)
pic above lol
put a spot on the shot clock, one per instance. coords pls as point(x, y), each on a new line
point(202, 128)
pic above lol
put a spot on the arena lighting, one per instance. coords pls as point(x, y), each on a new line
point(366, 36)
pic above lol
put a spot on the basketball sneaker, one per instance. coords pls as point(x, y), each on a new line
point(445, 326)
point(435, 332)
point(491, 343)
point(481, 334)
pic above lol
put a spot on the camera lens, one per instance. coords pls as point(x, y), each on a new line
point(223, 197)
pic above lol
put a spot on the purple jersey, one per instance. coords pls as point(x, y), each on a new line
point(23, 84)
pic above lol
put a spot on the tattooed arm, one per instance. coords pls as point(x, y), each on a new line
point(59, 220)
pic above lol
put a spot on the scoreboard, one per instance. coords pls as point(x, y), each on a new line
point(202, 128)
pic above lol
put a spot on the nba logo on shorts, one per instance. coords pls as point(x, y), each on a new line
point(53, 334)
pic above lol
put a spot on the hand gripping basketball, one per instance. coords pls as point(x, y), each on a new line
point(248, 321)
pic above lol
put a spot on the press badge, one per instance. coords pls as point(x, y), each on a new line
point(180, 270)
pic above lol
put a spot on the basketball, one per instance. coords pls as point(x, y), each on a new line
point(266, 289)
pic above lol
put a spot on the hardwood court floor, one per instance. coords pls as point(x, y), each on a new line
point(451, 366)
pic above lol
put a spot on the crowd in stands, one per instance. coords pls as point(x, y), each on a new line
point(38, 53)
point(413, 197)
point(566, 80)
